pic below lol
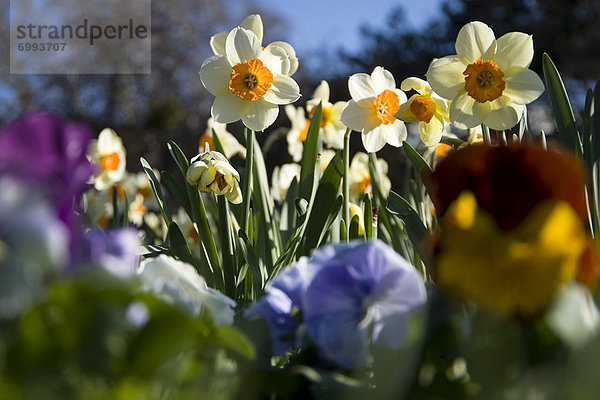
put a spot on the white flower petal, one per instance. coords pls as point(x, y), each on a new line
point(291, 56)
point(475, 40)
point(465, 112)
point(284, 90)
point(523, 87)
point(374, 140)
point(361, 86)
point(504, 114)
point(275, 59)
point(109, 141)
point(254, 23)
point(395, 133)
point(242, 45)
point(217, 43)
point(514, 49)
point(382, 80)
point(259, 114)
point(418, 84)
point(431, 133)
point(354, 116)
point(215, 74)
point(227, 108)
point(445, 75)
point(322, 92)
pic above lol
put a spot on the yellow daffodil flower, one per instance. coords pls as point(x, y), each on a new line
point(426, 108)
point(249, 82)
point(488, 80)
point(211, 172)
point(375, 100)
point(107, 153)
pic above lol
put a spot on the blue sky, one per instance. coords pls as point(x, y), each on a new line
point(334, 23)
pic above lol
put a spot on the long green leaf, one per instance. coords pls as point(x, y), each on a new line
point(157, 190)
point(324, 205)
point(178, 247)
point(259, 275)
point(563, 113)
point(309, 156)
point(178, 191)
point(418, 162)
point(417, 232)
point(227, 247)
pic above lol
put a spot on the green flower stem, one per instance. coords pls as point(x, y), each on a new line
point(209, 242)
point(247, 189)
point(486, 135)
point(346, 184)
point(227, 246)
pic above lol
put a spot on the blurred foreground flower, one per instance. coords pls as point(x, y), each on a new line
point(34, 244)
point(107, 153)
point(426, 108)
point(117, 251)
point(211, 172)
point(49, 151)
point(488, 80)
point(346, 297)
point(375, 100)
point(249, 82)
point(179, 283)
point(512, 230)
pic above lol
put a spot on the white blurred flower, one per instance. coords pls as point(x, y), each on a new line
point(180, 284)
point(375, 100)
point(108, 156)
point(230, 144)
point(426, 108)
point(282, 179)
point(211, 172)
point(574, 316)
point(297, 133)
point(326, 156)
point(137, 210)
point(332, 128)
point(249, 82)
point(359, 178)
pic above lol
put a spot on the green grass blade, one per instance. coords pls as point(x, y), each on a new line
point(157, 190)
point(416, 230)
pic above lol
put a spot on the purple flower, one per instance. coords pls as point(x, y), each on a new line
point(49, 151)
point(116, 251)
point(348, 296)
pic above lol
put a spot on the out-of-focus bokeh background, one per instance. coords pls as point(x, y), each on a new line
point(333, 39)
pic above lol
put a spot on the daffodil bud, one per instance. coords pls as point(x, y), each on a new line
point(211, 172)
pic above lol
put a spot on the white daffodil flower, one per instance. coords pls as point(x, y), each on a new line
point(296, 135)
point(359, 178)
point(211, 172)
point(218, 42)
point(230, 144)
point(107, 154)
point(180, 284)
point(249, 82)
point(426, 108)
point(332, 128)
point(375, 100)
point(488, 80)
